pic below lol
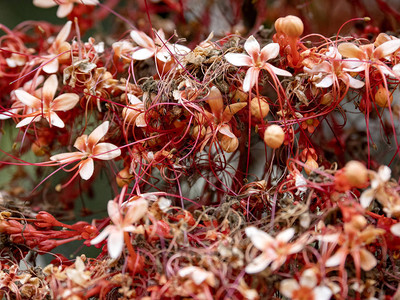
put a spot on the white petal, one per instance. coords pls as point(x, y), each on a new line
point(322, 293)
point(98, 134)
point(288, 286)
point(101, 236)
point(327, 81)
point(113, 212)
point(355, 83)
point(258, 264)
point(270, 51)
point(44, 3)
point(384, 173)
point(238, 59)
point(277, 71)
point(366, 197)
point(252, 47)
point(259, 238)
point(285, 235)
point(27, 121)
point(86, 169)
point(64, 10)
point(55, 120)
point(251, 79)
point(28, 99)
point(308, 278)
point(142, 54)
point(395, 229)
point(51, 67)
point(115, 243)
point(367, 260)
point(336, 259)
point(106, 151)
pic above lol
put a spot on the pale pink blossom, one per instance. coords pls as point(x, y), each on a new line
point(305, 288)
point(274, 250)
point(160, 48)
point(46, 106)
point(134, 112)
point(333, 69)
point(64, 6)
point(122, 222)
point(257, 61)
point(378, 182)
point(89, 150)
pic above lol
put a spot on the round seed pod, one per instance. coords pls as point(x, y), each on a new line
point(356, 173)
point(259, 108)
point(124, 177)
point(311, 164)
point(292, 26)
point(274, 136)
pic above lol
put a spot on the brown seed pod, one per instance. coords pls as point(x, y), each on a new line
point(259, 108)
point(292, 26)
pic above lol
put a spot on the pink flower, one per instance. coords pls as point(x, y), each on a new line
point(256, 60)
point(306, 288)
point(65, 6)
point(274, 250)
point(46, 106)
point(159, 48)
point(135, 210)
point(332, 70)
point(89, 149)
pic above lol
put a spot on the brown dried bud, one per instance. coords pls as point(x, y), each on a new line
point(229, 144)
point(311, 164)
point(383, 97)
point(274, 136)
point(356, 173)
point(124, 177)
point(327, 99)
point(292, 26)
point(240, 96)
point(259, 108)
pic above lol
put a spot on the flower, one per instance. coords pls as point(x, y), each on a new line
point(47, 105)
point(89, 149)
point(65, 6)
point(306, 288)
point(135, 210)
point(332, 70)
point(134, 113)
point(274, 250)
point(310, 124)
point(256, 60)
point(377, 186)
point(159, 48)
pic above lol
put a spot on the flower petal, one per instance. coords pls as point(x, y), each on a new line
point(277, 71)
point(258, 264)
point(384, 173)
point(285, 235)
point(113, 212)
point(251, 79)
point(269, 51)
point(105, 151)
point(238, 59)
point(355, 83)
point(142, 54)
point(225, 129)
point(97, 134)
point(327, 81)
point(65, 102)
point(395, 229)
point(64, 33)
point(64, 9)
point(44, 3)
point(336, 259)
point(55, 120)
point(102, 235)
point(260, 239)
point(322, 293)
point(28, 99)
point(67, 157)
point(28, 120)
point(366, 197)
point(49, 89)
point(86, 169)
point(351, 50)
point(142, 39)
point(252, 47)
point(136, 210)
point(288, 286)
point(115, 243)
point(387, 48)
point(52, 65)
point(367, 260)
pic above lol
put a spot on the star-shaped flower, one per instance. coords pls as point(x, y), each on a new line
point(256, 60)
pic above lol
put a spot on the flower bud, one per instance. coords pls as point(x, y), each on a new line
point(229, 144)
point(124, 177)
point(278, 24)
point(292, 26)
point(259, 108)
point(310, 165)
point(382, 96)
point(196, 133)
point(326, 99)
point(274, 136)
point(356, 173)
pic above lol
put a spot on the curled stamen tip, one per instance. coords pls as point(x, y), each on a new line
point(367, 19)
